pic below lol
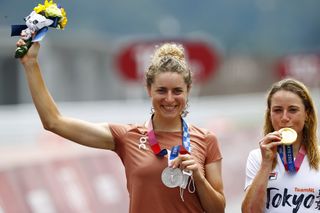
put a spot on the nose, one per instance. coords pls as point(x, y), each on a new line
point(285, 116)
point(169, 96)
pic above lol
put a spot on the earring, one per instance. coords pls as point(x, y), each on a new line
point(152, 111)
point(185, 112)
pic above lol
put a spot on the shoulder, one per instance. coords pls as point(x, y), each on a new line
point(204, 139)
point(254, 156)
point(202, 133)
point(123, 129)
point(255, 152)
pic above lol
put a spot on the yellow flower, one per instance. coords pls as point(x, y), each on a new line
point(49, 3)
point(39, 8)
point(63, 21)
point(42, 7)
point(50, 9)
point(53, 11)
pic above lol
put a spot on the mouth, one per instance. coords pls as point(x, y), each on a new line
point(285, 127)
point(169, 108)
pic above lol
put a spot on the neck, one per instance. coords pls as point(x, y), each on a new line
point(296, 146)
point(169, 125)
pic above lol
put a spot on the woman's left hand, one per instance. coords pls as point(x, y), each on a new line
point(187, 163)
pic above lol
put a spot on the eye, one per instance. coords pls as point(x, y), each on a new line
point(277, 110)
point(35, 22)
point(293, 110)
point(177, 91)
point(161, 90)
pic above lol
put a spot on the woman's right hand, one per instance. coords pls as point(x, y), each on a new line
point(32, 53)
point(268, 146)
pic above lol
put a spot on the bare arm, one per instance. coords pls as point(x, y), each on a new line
point(210, 188)
point(254, 200)
point(82, 132)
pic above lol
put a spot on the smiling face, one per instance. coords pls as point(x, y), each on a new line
point(169, 95)
point(287, 110)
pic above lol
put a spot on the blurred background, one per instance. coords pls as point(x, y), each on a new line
point(93, 68)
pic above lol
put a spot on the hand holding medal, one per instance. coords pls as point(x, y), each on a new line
point(37, 23)
point(173, 177)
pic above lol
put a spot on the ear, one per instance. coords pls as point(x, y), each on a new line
point(189, 89)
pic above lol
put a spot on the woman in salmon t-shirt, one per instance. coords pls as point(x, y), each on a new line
point(170, 165)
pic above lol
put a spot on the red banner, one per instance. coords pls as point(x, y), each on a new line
point(133, 58)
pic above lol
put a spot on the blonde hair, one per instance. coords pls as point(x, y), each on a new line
point(309, 131)
point(169, 57)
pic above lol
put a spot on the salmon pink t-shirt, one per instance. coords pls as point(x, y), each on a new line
point(143, 168)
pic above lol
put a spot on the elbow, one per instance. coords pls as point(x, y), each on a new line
point(244, 208)
point(223, 205)
point(247, 208)
point(218, 207)
point(47, 126)
point(50, 124)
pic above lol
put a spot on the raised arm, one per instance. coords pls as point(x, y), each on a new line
point(82, 132)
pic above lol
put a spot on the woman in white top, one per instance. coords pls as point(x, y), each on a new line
point(281, 177)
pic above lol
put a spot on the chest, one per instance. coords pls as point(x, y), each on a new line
point(140, 161)
point(299, 192)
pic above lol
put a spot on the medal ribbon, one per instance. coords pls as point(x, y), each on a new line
point(184, 149)
point(290, 158)
point(289, 163)
point(174, 152)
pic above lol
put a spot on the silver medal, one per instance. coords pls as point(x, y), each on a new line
point(172, 177)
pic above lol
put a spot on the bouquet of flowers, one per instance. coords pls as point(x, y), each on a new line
point(37, 24)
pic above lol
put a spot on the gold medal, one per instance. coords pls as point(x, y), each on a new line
point(288, 135)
